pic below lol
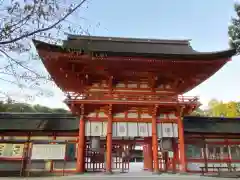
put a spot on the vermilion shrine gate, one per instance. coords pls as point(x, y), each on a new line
point(129, 91)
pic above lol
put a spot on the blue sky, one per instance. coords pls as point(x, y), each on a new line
point(205, 22)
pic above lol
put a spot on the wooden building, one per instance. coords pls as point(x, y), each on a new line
point(210, 143)
point(127, 91)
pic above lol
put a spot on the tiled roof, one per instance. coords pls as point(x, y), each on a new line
point(194, 124)
point(37, 122)
point(133, 47)
point(67, 122)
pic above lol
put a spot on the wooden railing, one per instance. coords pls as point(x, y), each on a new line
point(131, 97)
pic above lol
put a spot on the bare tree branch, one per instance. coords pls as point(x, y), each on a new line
point(43, 29)
point(21, 20)
point(14, 60)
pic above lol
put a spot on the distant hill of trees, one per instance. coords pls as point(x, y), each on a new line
point(215, 108)
point(12, 106)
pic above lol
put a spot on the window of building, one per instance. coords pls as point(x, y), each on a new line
point(194, 151)
point(215, 151)
point(235, 152)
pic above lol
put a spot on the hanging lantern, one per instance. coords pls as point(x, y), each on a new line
point(166, 144)
point(95, 143)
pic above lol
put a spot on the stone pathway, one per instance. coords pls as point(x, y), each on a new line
point(127, 176)
point(135, 173)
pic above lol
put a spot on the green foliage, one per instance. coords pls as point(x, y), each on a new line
point(215, 108)
point(23, 107)
point(198, 112)
point(234, 29)
point(220, 109)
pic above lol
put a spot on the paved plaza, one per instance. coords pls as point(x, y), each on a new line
point(135, 173)
point(129, 176)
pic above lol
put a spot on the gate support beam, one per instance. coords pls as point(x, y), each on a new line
point(81, 144)
point(155, 140)
point(109, 142)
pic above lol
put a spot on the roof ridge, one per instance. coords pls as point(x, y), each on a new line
point(129, 39)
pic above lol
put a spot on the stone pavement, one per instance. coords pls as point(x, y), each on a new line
point(126, 176)
point(135, 174)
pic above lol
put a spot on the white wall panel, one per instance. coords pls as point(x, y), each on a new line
point(104, 129)
point(122, 129)
point(159, 130)
point(167, 130)
point(114, 129)
point(96, 128)
point(88, 128)
point(175, 130)
point(149, 129)
point(142, 129)
point(132, 129)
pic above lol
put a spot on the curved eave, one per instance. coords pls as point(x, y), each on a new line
point(192, 56)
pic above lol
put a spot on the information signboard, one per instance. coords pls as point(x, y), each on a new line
point(48, 151)
point(8, 150)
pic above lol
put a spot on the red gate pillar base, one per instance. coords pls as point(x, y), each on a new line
point(156, 172)
point(108, 172)
point(145, 149)
point(148, 155)
point(175, 156)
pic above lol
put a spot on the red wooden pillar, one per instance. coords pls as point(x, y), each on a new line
point(175, 156)
point(155, 141)
point(148, 155)
point(182, 157)
point(145, 157)
point(81, 146)
point(51, 162)
point(109, 143)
